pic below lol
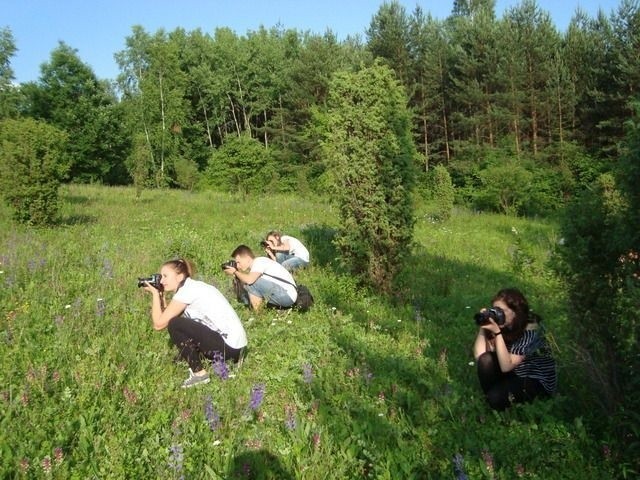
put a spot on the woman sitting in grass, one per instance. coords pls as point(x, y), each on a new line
point(514, 359)
point(200, 320)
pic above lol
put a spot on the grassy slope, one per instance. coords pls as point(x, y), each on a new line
point(86, 383)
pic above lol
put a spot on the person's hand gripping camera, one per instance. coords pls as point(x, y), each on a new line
point(491, 319)
point(269, 248)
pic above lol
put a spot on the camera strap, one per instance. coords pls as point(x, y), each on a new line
point(281, 279)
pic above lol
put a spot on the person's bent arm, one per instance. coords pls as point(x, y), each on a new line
point(508, 361)
point(245, 277)
point(480, 346)
point(283, 247)
point(160, 315)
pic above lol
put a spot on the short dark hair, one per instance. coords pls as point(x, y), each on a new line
point(242, 250)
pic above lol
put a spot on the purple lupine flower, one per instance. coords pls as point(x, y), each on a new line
point(175, 459)
point(220, 366)
point(10, 280)
point(107, 269)
point(213, 419)
point(257, 395)
point(307, 373)
point(100, 308)
point(32, 265)
point(458, 467)
point(290, 420)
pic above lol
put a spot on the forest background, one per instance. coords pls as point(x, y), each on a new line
point(525, 120)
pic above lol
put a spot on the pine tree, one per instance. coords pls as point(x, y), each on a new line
point(370, 157)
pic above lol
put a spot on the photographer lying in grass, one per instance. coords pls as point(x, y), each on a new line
point(262, 280)
point(200, 320)
point(514, 359)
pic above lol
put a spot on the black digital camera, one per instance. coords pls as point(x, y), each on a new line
point(229, 264)
point(264, 244)
point(494, 313)
point(153, 280)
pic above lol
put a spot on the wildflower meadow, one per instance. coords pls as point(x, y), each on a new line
point(361, 386)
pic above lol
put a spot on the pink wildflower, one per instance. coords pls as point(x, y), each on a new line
point(46, 464)
point(488, 460)
point(58, 455)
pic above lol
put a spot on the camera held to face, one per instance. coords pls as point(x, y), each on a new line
point(264, 244)
point(229, 264)
point(494, 313)
point(153, 280)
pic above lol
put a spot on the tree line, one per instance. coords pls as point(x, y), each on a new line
point(232, 111)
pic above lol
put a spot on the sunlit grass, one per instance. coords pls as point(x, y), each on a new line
point(359, 387)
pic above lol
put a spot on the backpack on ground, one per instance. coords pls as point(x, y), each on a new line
point(305, 299)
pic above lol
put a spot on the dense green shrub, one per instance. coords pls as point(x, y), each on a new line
point(601, 262)
point(241, 164)
point(187, 174)
point(370, 156)
point(32, 165)
point(503, 187)
point(443, 193)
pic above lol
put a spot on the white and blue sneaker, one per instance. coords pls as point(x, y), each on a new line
point(194, 380)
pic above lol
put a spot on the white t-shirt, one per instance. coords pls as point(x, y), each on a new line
point(206, 305)
point(270, 267)
point(296, 248)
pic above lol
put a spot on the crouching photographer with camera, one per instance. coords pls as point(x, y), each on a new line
point(513, 357)
point(199, 318)
point(286, 250)
point(260, 280)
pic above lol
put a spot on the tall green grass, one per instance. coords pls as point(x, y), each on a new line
point(359, 387)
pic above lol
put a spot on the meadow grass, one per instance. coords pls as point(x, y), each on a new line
point(361, 386)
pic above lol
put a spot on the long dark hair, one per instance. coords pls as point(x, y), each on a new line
point(516, 301)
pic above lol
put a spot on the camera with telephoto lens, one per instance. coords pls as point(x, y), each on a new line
point(494, 313)
point(229, 264)
point(153, 280)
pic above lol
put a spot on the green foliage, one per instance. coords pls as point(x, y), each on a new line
point(139, 163)
point(601, 263)
point(503, 187)
point(443, 193)
point(370, 156)
point(33, 162)
point(69, 96)
point(367, 388)
point(242, 164)
point(187, 175)
point(9, 94)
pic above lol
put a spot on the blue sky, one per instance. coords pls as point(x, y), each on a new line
point(97, 28)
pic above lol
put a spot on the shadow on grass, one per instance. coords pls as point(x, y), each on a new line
point(258, 465)
point(77, 199)
point(78, 219)
point(319, 241)
point(421, 388)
